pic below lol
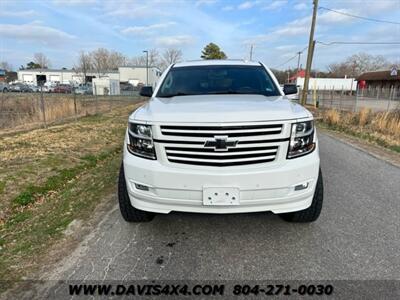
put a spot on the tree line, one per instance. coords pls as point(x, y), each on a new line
point(102, 60)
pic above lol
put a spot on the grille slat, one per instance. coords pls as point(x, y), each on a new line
point(249, 144)
point(217, 164)
point(231, 131)
point(219, 161)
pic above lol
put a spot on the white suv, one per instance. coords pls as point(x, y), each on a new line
point(219, 136)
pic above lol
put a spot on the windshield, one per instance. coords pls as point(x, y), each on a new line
point(206, 80)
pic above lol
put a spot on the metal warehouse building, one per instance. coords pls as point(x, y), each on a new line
point(127, 74)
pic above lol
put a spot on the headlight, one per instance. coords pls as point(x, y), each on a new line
point(301, 139)
point(141, 141)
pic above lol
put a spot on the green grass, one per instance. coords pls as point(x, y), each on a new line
point(2, 186)
point(57, 181)
point(50, 178)
point(32, 232)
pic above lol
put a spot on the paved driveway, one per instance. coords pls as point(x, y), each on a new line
point(356, 237)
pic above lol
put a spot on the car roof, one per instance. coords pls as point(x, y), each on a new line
point(216, 62)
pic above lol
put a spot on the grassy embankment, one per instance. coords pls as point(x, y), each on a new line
point(50, 177)
point(381, 128)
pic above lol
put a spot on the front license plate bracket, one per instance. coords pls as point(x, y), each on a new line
point(221, 196)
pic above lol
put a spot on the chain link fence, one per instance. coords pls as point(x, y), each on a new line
point(30, 110)
point(377, 99)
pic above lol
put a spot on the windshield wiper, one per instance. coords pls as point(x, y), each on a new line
point(231, 92)
point(174, 95)
point(228, 92)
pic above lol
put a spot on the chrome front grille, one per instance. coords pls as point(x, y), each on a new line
point(244, 144)
point(232, 157)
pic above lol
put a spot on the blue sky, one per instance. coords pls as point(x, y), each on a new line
point(276, 28)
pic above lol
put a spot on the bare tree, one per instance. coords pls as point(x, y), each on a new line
point(5, 66)
point(42, 60)
point(171, 56)
point(138, 60)
point(154, 59)
point(116, 60)
point(100, 60)
point(84, 64)
point(357, 64)
point(103, 60)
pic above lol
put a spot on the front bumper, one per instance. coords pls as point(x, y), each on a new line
point(268, 187)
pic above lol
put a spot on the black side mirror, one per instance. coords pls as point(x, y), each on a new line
point(146, 91)
point(290, 89)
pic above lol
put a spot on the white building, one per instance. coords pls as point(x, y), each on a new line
point(105, 86)
point(131, 74)
point(135, 74)
point(336, 84)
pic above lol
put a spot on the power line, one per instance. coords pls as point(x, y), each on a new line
point(357, 43)
point(290, 59)
point(359, 17)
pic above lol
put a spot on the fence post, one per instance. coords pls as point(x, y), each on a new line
point(96, 99)
point(355, 104)
point(332, 96)
point(389, 100)
point(75, 108)
point(43, 107)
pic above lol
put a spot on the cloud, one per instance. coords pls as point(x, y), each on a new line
point(205, 2)
point(73, 2)
point(134, 10)
point(228, 8)
point(145, 30)
point(174, 41)
point(18, 14)
point(300, 6)
point(287, 47)
point(247, 4)
point(34, 32)
point(275, 5)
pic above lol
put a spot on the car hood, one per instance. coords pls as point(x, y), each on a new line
point(219, 109)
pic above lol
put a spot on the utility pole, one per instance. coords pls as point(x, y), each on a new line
point(311, 44)
point(298, 62)
point(251, 52)
point(147, 66)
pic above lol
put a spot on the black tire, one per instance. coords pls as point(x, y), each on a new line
point(128, 212)
point(312, 213)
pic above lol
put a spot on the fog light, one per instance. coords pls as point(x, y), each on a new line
point(141, 187)
point(300, 187)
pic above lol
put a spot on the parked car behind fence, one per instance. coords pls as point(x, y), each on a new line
point(63, 88)
point(4, 88)
point(20, 88)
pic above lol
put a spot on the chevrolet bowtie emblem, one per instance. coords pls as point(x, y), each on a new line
point(220, 143)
